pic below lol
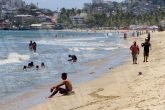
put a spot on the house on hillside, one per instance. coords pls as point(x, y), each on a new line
point(79, 20)
point(23, 20)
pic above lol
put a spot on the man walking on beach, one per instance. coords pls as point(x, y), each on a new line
point(135, 52)
point(146, 46)
point(149, 36)
point(68, 86)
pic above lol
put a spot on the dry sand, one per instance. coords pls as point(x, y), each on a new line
point(122, 88)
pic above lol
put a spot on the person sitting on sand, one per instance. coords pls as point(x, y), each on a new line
point(73, 58)
point(68, 86)
point(146, 46)
point(135, 51)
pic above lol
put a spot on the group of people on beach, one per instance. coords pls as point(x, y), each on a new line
point(32, 46)
point(135, 49)
point(57, 88)
point(67, 83)
point(31, 65)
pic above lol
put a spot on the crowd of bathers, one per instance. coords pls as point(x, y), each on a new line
point(32, 47)
point(31, 65)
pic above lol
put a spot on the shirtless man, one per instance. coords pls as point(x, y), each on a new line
point(68, 86)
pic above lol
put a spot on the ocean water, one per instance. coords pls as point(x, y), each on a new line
point(53, 48)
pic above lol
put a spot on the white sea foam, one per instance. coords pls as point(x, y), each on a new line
point(112, 48)
point(14, 58)
point(109, 34)
point(91, 48)
point(74, 49)
point(66, 41)
point(101, 41)
point(88, 48)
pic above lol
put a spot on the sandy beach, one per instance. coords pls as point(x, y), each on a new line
point(122, 88)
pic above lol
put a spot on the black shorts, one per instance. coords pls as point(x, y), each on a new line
point(63, 91)
point(146, 53)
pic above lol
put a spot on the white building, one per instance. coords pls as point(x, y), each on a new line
point(24, 20)
point(79, 20)
point(97, 1)
point(12, 4)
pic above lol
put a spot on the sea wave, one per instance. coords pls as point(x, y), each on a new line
point(14, 58)
point(91, 48)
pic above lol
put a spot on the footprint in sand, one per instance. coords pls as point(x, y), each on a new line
point(96, 95)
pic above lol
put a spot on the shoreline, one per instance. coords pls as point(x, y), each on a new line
point(74, 30)
point(120, 90)
point(38, 93)
point(41, 91)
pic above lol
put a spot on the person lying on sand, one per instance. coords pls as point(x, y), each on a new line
point(58, 88)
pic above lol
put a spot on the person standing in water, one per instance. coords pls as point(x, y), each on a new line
point(31, 46)
point(135, 52)
point(34, 46)
point(125, 35)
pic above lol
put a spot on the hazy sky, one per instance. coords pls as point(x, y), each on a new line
point(54, 4)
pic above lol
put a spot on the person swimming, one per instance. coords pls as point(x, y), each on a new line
point(73, 58)
point(37, 67)
point(42, 65)
point(25, 68)
point(30, 65)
